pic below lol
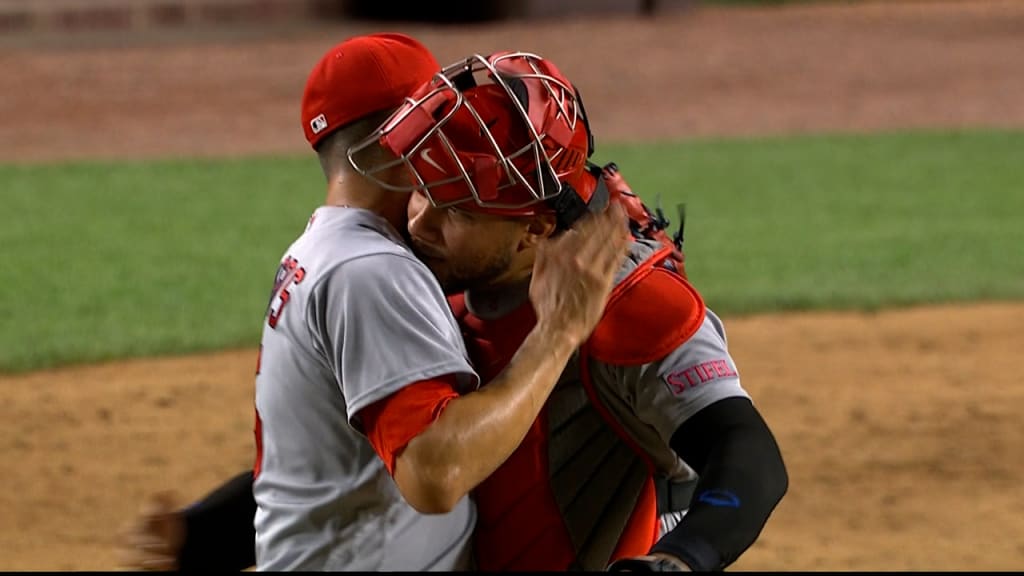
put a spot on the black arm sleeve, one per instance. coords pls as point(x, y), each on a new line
point(219, 533)
point(742, 479)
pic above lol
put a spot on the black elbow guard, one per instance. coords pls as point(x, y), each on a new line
point(742, 479)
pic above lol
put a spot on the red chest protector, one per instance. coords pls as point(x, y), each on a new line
point(577, 493)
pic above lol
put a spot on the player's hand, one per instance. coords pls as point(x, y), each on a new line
point(573, 272)
point(153, 540)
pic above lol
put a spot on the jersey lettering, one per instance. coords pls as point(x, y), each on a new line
point(697, 374)
point(288, 274)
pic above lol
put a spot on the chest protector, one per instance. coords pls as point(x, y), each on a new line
point(579, 492)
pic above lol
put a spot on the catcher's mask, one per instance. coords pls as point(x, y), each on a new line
point(504, 134)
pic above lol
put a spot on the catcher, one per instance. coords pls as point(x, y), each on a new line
point(649, 454)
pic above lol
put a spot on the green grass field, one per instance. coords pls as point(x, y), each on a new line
point(102, 261)
point(845, 221)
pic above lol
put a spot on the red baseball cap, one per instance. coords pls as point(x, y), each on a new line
point(360, 76)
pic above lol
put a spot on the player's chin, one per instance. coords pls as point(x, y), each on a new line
point(440, 271)
point(450, 284)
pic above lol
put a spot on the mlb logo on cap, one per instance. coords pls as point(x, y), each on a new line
point(362, 75)
point(318, 124)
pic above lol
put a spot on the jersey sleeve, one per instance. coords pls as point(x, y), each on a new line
point(392, 422)
point(383, 323)
point(693, 376)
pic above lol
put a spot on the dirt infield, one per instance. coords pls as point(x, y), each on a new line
point(901, 429)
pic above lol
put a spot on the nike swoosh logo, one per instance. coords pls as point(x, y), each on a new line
point(425, 155)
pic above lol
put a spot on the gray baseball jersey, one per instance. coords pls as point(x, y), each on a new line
point(353, 317)
point(652, 400)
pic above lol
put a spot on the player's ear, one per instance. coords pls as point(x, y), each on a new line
point(537, 228)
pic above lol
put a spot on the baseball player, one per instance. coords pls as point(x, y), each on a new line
point(649, 423)
point(354, 318)
point(650, 419)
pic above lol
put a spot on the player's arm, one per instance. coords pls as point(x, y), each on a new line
point(699, 405)
point(215, 533)
point(219, 529)
point(742, 479)
point(465, 437)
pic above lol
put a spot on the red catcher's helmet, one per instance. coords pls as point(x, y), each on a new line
point(504, 134)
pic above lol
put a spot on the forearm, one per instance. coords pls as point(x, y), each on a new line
point(477, 432)
point(742, 479)
point(219, 533)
